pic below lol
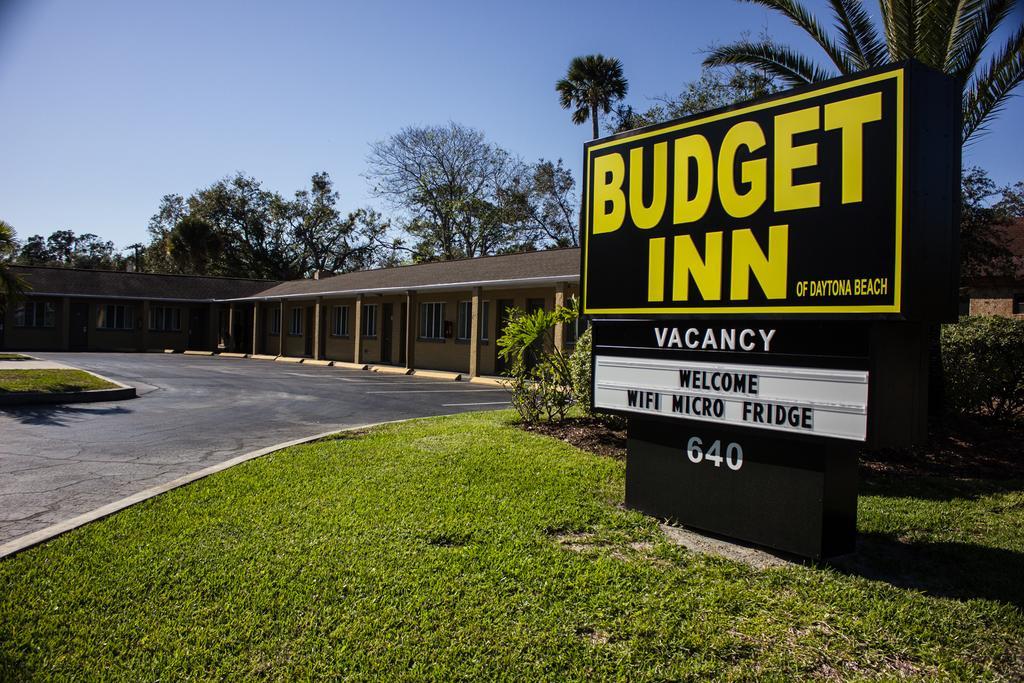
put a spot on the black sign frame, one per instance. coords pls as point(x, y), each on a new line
point(926, 238)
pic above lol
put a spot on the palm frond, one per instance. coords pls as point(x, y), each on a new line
point(12, 287)
point(971, 33)
point(899, 17)
point(936, 26)
point(802, 17)
point(860, 39)
point(993, 85)
point(777, 60)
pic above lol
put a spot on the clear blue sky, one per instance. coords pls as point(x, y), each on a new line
point(108, 105)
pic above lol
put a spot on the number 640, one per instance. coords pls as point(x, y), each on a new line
point(733, 453)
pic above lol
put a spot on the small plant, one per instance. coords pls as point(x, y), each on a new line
point(541, 380)
point(983, 366)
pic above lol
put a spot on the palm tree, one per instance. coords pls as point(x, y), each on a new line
point(11, 286)
point(592, 84)
point(948, 35)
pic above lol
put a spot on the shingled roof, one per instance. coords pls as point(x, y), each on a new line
point(539, 267)
point(45, 280)
point(535, 267)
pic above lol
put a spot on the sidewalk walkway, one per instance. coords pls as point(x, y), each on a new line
point(33, 365)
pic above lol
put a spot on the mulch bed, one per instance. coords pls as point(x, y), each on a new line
point(963, 448)
point(586, 434)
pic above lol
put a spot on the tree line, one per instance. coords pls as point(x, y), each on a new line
point(453, 193)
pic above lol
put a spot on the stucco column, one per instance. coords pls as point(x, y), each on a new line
point(357, 333)
point(474, 335)
point(65, 323)
point(255, 327)
point(280, 329)
point(144, 337)
point(318, 317)
point(410, 330)
point(559, 327)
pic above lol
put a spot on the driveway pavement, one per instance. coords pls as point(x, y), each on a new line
point(57, 462)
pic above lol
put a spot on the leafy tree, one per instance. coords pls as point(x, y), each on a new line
point(11, 286)
point(715, 88)
point(156, 256)
point(323, 239)
point(460, 192)
point(65, 248)
point(90, 251)
point(591, 86)
point(1011, 206)
point(548, 206)
point(255, 243)
point(983, 248)
point(948, 35)
point(34, 252)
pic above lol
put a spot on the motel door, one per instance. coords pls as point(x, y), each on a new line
point(197, 328)
point(78, 333)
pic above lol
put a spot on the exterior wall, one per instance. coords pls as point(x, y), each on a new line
point(995, 301)
point(270, 340)
point(453, 354)
point(339, 347)
point(444, 354)
point(294, 344)
point(35, 338)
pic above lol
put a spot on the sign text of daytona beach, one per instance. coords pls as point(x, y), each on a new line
point(788, 205)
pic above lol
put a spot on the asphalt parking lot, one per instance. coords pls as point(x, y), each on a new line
point(57, 462)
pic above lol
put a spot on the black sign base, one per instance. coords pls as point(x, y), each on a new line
point(794, 495)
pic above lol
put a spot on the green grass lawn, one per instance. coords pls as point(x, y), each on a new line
point(463, 548)
point(49, 381)
point(13, 356)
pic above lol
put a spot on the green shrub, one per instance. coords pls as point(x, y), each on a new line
point(580, 372)
point(541, 382)
point(983, 366)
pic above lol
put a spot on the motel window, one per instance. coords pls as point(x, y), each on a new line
point(165, 319)
point(370, 320)
point(465, 320)
point(34, 314)
point(1018, 303)
point(339, 324)
point(432, 320)
point(485, 310)
point(275, 322)
point(116, 317)
point(296, 324)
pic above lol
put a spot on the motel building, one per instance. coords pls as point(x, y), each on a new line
point(431, 316)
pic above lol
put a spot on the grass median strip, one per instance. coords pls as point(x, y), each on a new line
point(50, 381)
point(13, 356)
point(462, 547)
